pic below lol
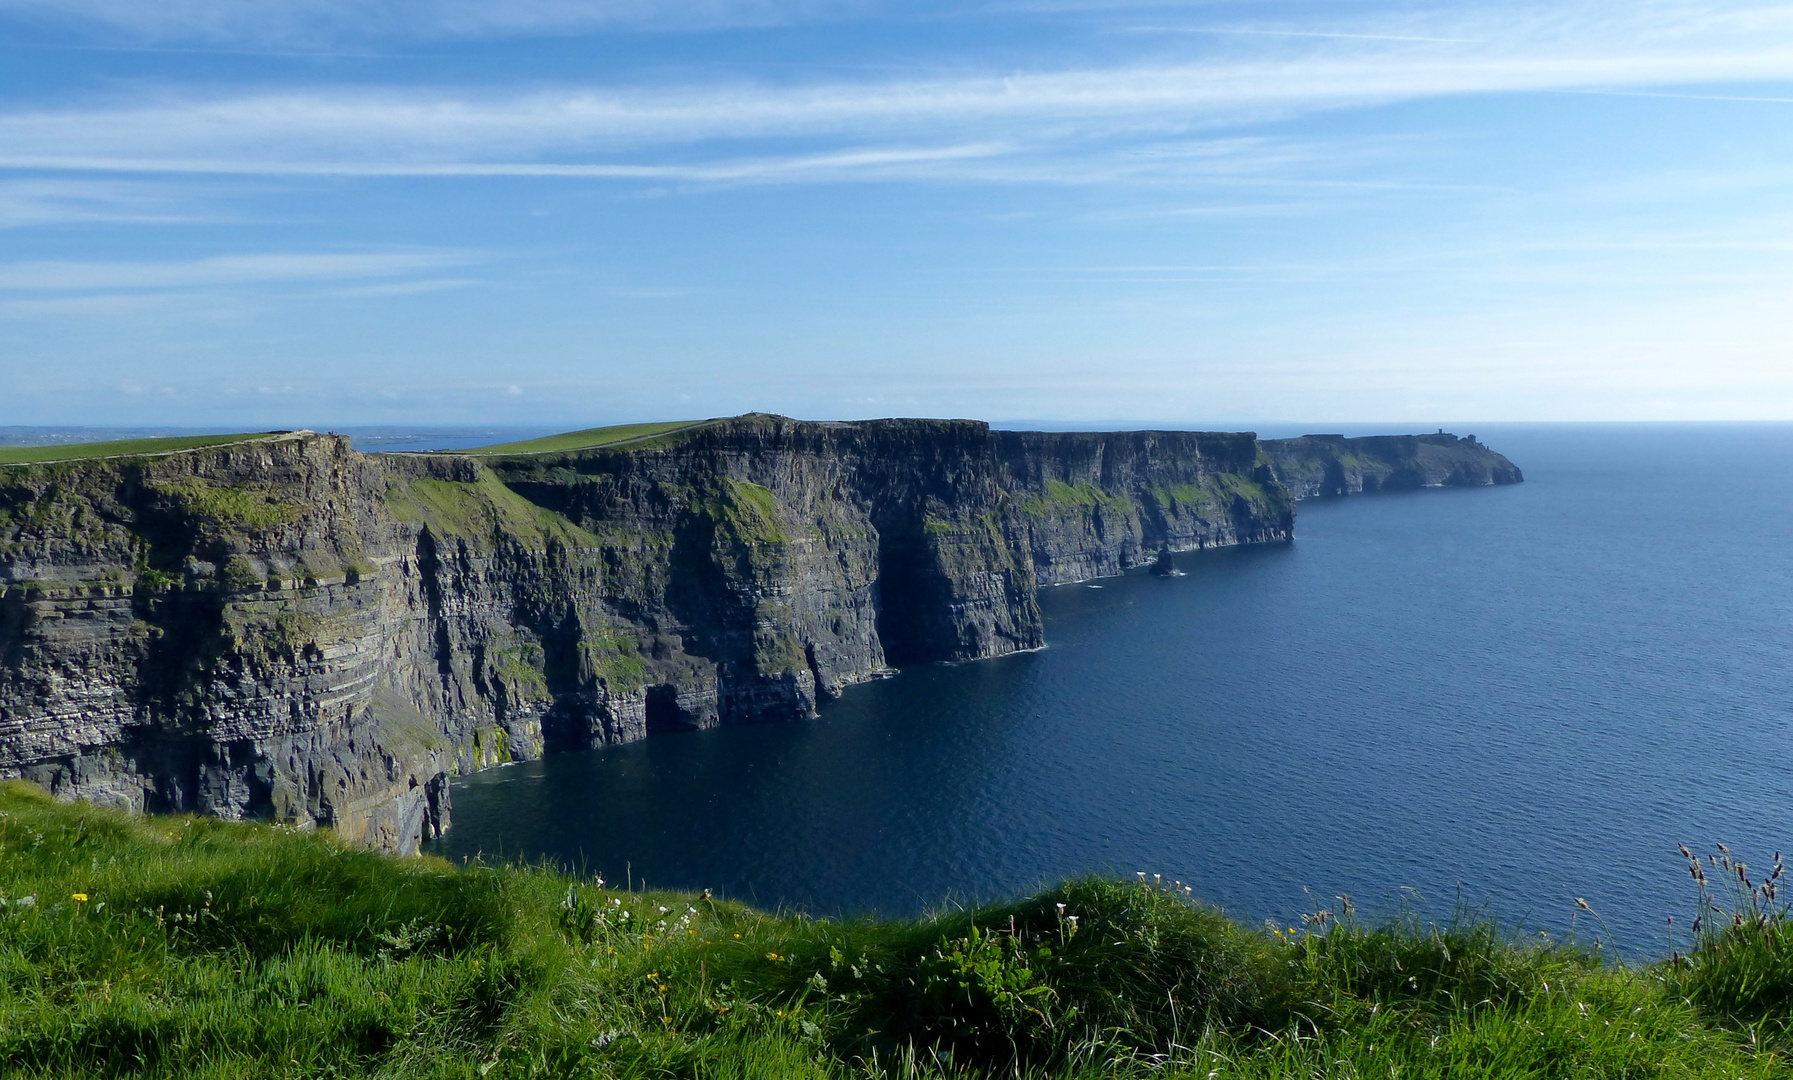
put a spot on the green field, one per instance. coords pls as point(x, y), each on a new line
point(589, 439)
point(190, 947)
point(22, 455)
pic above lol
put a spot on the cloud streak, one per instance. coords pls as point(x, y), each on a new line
point(953, 124)
point(374, 132)
point(744, 169)
point(39, 200)
point(305, 21)
point(253, 269)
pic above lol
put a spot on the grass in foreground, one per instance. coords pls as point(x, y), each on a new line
point(24, 455)
point(588, 439)
point(185, 947)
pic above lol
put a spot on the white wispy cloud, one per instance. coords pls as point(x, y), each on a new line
point(285, 21)
point(105, 305)
point(814, 165)
point(417, 287)
point(46, 200)
point(863, 125)
point(1328, 34)
point(259, 268)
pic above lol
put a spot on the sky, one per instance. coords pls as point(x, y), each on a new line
point(254, 213)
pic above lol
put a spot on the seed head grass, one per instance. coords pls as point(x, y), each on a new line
point(212, 949)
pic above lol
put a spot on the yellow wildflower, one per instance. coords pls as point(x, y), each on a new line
point(80, 896)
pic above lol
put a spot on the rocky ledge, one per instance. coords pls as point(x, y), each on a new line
point(284, 628)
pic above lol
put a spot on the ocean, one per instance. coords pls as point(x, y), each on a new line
point(1496, 700)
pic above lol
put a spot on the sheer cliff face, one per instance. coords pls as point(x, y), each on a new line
point(265, 629)
point(286, 628)
point(1095, 503)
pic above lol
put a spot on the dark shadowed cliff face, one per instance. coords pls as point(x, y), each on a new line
point(286, 628)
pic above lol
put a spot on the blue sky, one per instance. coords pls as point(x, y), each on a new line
point(552, 212)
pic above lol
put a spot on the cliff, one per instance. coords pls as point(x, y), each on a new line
point(283, 627)
point(1334, 465)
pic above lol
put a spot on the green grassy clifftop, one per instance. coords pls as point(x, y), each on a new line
point(19, 455)
point(591, 438)
point(188, 947)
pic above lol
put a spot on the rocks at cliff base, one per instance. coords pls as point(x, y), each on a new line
point(285, 628)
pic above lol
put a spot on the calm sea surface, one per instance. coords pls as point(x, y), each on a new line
point(1515, 695)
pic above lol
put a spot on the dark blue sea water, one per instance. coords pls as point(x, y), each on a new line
point(1516, 696)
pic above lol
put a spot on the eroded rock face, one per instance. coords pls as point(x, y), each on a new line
point(285, 628)
point(269, 629)
point(1097, 503)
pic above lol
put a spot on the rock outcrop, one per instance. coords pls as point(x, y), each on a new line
point(286, 628)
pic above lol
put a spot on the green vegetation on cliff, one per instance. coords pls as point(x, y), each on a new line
point(746, 513)
point(1241, 487)
point(1058, 497)
point(1214, 495)
point(19, 455)
point(481, 511)
point(521, 669)
point(189, 947)
point(736, 513)
point(615, 656)
point(233, 506)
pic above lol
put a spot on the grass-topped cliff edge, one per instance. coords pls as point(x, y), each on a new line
point(89, 451)
point(189, 947)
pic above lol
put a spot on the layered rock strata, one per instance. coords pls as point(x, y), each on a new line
point(286, 628)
